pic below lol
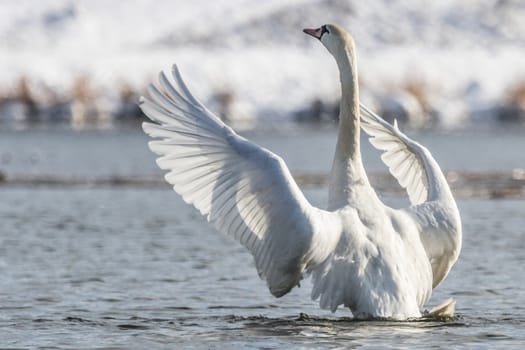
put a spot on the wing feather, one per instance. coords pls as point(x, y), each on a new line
point(403, 157)
point(243, 189)
point(433, 206)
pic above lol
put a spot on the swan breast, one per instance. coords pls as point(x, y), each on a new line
point(378, 268)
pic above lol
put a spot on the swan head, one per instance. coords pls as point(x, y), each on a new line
point(333, 37)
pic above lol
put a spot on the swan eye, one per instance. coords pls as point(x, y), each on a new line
point(324, 29)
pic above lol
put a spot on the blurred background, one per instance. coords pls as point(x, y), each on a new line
point(97, 252)
point(83, 64)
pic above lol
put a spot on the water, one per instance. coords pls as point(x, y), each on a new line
point(99, 267)
point(92, 153)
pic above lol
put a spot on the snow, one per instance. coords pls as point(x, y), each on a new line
point(256, 50)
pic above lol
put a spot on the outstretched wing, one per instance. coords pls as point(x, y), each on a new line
point(406, 159)
point(243, 189)
point(433, 206)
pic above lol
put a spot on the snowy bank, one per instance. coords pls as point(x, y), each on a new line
point(466, 57)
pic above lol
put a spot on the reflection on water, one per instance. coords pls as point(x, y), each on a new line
point(120, 267)
point(114, 266)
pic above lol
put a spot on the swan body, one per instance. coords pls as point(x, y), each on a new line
point(360, 253)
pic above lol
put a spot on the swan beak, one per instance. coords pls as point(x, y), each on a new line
point(316, 33)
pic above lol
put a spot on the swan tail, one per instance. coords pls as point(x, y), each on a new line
point(444, 310)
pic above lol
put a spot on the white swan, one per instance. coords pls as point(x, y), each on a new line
point(378, 261)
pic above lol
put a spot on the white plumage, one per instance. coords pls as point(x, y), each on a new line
point(378, 261)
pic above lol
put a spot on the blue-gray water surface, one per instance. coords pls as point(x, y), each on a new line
point(134, 267)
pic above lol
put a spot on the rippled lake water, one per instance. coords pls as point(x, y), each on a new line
point(99, 267)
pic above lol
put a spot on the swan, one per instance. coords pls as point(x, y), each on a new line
point(378, 261)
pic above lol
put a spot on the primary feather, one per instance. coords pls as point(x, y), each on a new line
point(403, 156)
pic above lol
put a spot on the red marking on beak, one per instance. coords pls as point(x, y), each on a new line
point(316, 33)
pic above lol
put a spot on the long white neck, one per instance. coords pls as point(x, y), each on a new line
point(347, 169)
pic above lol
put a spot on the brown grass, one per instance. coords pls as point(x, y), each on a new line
point(516, 94)
point(82, 90)
point(418, 89)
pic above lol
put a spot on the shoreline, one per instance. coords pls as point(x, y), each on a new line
point(464, 184)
